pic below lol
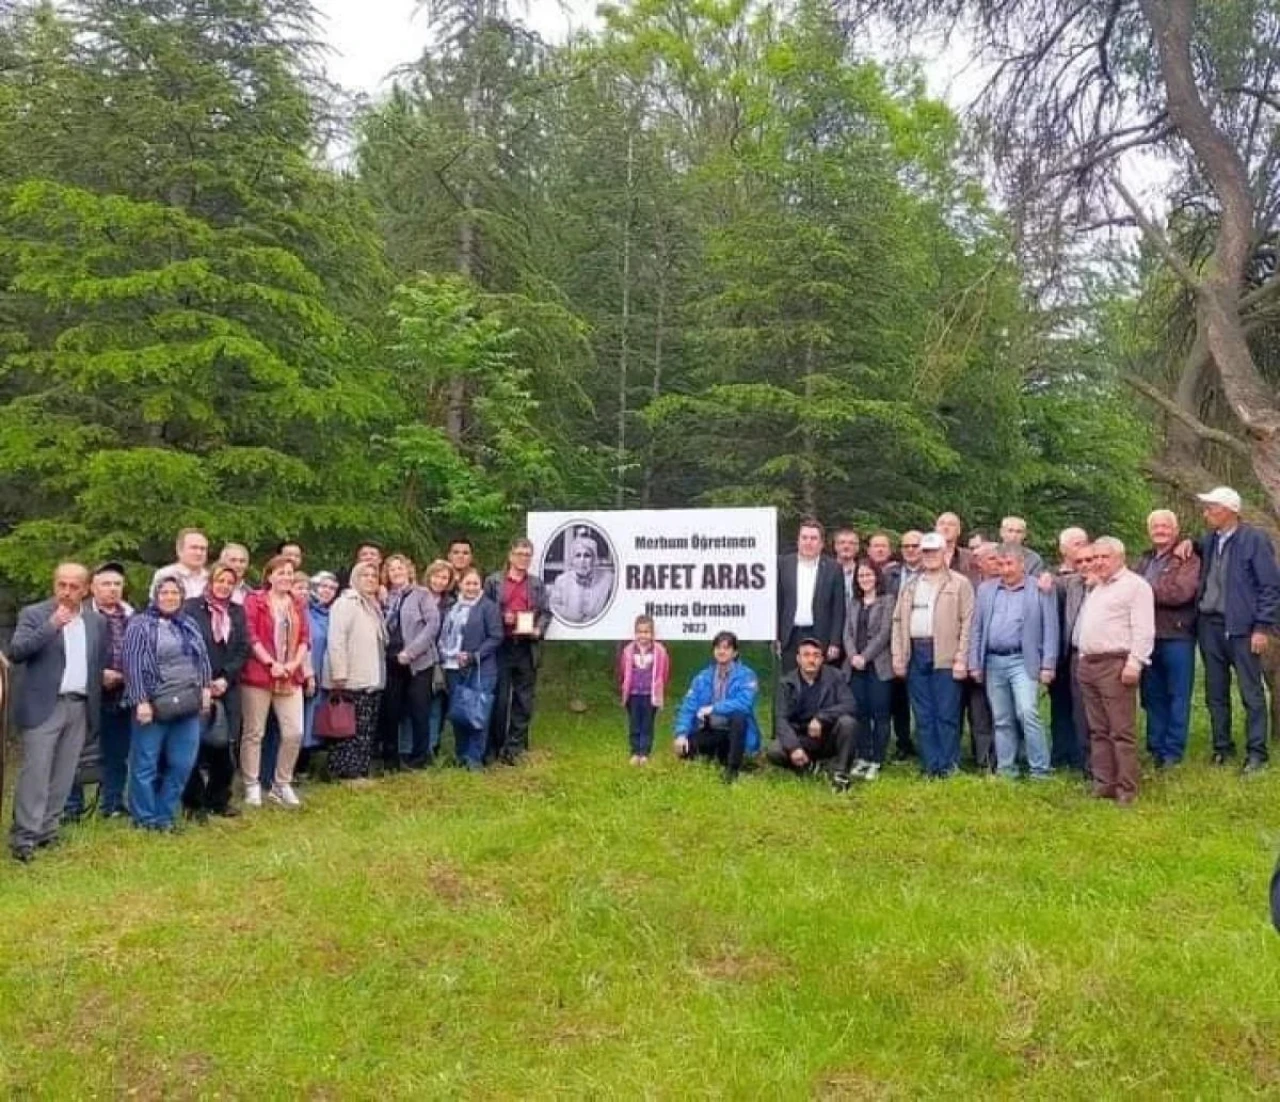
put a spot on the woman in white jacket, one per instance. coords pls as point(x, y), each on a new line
point(356, 667)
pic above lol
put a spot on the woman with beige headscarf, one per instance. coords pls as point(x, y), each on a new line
point(355, 666)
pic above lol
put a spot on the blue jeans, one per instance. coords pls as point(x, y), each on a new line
point(161, 758)
point(469, 742)
point(1166, 697)
point(874, 700)
point(936, 697)
point(640, 714)
point(1015, 700)
point(309, 739)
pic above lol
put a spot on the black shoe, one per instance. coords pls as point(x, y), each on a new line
point(50, 843)
point(1254, 764)
point(24, 854)
point(509, 759)
point(730, 776)
point(201, 816)
point(228, 812)
point(1219, 758)
point(840, 782)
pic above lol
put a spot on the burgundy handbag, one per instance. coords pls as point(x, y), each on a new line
point(336, 718)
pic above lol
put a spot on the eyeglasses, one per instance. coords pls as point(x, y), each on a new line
point(911, 547)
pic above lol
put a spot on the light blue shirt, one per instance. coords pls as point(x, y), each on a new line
point(75, 675)
point(1008, 610)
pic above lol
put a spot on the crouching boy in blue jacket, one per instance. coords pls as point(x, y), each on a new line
point(717, 717)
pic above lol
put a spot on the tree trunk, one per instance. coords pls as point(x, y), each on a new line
point(624, 336)
point(1220, 287)
point(809, 451)
point(659, 341)
point(456, 410)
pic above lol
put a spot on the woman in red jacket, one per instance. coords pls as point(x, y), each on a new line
point(272, 680)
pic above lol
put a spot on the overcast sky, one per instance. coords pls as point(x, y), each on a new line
point(371, 37)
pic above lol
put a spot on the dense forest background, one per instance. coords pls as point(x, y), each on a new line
point(720, 252)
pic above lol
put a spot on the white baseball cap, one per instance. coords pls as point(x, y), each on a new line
point(933, 541)
point(1221, 495)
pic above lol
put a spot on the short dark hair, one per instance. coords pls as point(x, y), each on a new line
point(367, 543)
point(725, 637)
point(644, 620)
point(288, 543)
point(465, 540)
point(847, 530)
point(811, 522)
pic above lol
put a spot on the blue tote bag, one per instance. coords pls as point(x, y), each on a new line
point(471, 703)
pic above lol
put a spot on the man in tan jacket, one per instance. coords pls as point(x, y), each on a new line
point(930, 642)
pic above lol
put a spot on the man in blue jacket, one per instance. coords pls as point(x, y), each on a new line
point(1237, 600)
point(1013, 650)
point(717, 718)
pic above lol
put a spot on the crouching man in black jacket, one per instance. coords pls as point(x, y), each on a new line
point(813, 720)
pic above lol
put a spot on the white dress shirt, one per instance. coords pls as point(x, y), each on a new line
point(75, 643)
point(806, 583)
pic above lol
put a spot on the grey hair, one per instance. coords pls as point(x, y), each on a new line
point(1072, 535)
point(1012, 551)
point(1162, 514)
point(1109, 543)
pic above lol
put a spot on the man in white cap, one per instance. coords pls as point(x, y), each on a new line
point(1237, 601)
point(930, 644)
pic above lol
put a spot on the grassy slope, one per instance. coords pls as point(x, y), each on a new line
point(579, 927)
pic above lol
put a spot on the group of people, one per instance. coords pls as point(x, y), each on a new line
point(213, 676)
point(953, 633)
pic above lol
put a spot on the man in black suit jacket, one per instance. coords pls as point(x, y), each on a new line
point(810, 597)
point(61, 644)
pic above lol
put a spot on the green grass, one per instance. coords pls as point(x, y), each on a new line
point(582, 928)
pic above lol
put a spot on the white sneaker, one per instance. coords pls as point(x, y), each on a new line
point(872, 771)
point(859, 768)
point(253, 795)
point(284, 795)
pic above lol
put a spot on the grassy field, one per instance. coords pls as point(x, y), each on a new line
point(582, 928)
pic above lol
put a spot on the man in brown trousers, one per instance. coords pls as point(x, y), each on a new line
point(1115, 633)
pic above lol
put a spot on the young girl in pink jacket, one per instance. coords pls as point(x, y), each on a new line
point(643, 669)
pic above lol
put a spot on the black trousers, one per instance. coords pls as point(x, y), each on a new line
point(513, 699)
point(407, 694)
point(209, 786)
point(900, 709)
point(722, 738)
point(981, 725)
point(838, 742)
point(1223, 655)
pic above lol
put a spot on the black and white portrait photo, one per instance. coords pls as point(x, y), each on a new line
point(579, 569)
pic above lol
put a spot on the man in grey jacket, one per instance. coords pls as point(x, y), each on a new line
point(1013, 650)
point(60, 643)
point(522, 599)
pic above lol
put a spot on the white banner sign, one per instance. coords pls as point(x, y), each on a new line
point(695, 571)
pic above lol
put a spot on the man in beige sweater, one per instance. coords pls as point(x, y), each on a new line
point(931, 625)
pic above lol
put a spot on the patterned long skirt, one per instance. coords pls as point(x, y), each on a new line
point(349, 758)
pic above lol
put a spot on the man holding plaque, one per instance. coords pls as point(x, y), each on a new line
point(521, 597)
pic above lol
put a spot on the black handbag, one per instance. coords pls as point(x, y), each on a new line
point(176, 702)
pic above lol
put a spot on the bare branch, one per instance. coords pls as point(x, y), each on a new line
point(1156, 236)
point(1203, 431)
